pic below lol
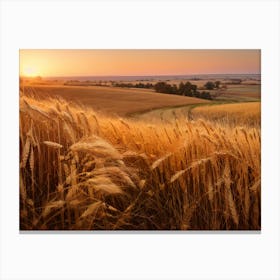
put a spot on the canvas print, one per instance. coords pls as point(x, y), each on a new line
point(133, 140)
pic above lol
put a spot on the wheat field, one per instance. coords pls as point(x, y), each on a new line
point(81, 170)
point(237, 114)
point(108, 100)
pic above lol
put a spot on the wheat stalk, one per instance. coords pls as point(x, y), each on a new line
point(53, 144)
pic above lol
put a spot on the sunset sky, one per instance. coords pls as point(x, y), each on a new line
point(53, 62)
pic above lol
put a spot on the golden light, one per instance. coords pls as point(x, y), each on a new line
point(30, 72)
point(47, 63)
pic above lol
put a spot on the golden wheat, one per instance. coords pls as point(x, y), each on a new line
point(245, 114)
point(82, 170)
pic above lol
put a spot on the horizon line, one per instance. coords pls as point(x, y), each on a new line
point(149, 75)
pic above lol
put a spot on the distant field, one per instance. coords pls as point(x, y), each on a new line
point(111, 100)
point(247, 113)
point(245, 90)
point(168, 115)
point(238, 114)
point(241, 93)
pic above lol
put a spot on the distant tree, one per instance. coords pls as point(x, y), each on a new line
point(205, 95)
point(194, 88)
point(174, 89)
point(181, 88)
point(209, 85)
point(186, 89)
point(162, 87)
point(217, 84)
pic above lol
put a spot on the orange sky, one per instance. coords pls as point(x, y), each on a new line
point(53, 62)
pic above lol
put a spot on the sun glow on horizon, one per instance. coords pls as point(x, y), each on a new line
point(47, 63)
point(29, 71)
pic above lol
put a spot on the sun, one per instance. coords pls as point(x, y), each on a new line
point(30, 72)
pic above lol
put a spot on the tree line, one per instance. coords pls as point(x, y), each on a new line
point(185, 89)
point(130, 85)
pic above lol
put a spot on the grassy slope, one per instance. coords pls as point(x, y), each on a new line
point(114, 100)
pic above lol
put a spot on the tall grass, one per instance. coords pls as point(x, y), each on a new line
point(237, 114)
point(80, 170)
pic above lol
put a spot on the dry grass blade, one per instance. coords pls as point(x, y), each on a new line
point(97, 146)
point(69, 131)
point(228, 182)
point(193, 165)
point(25, 153)
point(72, 193)
point(160, 160)
point(116, 173)
point(210, 188)
point(232, 207)
point(92, 209)
point(53, 144)
point(51, 206)
point(256, 186)
point(104, 185)
point(38, 110)
point(31, 161)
